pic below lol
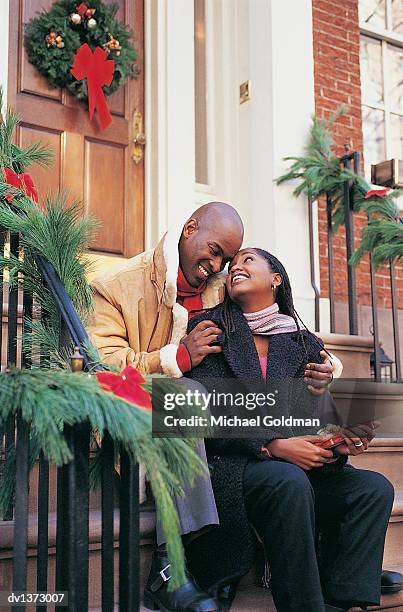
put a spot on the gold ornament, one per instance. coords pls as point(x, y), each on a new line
point(113, 45)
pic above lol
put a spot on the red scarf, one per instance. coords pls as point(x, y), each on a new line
point(188, 296)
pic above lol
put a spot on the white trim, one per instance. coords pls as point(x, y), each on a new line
point(4, 51)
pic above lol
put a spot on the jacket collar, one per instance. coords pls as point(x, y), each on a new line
point(284, 359)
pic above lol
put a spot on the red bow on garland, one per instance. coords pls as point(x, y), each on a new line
point(20, 181)
point(127, 385)
point(98, 71)
point(379, 193)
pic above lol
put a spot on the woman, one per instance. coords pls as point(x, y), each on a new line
point(286, 488)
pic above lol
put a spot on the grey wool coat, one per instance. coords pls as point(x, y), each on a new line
point(226, 552)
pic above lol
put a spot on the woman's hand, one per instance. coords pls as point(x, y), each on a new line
point(301, 451)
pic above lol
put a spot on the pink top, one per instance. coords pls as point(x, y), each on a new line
point(263, 365)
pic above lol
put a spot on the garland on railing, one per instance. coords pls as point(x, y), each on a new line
point(48, 396)
point(320, 173)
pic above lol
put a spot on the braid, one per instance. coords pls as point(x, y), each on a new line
point(284, 296)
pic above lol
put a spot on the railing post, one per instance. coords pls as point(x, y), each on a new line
point(43, 524)
point(330, 263)
point(374, 305)
point(129, 538)
point(312, 265)
point(107, 524)
point(20, 547)
point(395, 316)
point(349, 223)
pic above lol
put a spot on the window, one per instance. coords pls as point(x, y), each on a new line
point(381, 23)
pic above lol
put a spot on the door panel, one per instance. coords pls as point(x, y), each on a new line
point(104, 193)
point(92, 164)
point(46, 180)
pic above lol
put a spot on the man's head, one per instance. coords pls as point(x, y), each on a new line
point(209, 240)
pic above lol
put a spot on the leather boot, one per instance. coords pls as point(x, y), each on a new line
point(391, 582)
point(187, 598)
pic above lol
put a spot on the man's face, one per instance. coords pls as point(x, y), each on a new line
point(205, 249)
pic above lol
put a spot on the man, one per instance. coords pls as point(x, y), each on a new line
point(140, 317)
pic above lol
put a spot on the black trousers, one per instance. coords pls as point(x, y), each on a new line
point(350, 509)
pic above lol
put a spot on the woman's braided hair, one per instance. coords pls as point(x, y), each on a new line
point(283, 298)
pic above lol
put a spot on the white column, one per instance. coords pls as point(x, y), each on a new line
point(281, 72)
point(170, 171)
point(4, 39)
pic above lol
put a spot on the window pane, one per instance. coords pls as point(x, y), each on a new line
point(200, 92)
point(396, 122)
point(373, 12)
point(373, 127)
point(397, 15)
point(371, 70)
point(395, 63)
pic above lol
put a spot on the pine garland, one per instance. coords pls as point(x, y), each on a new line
point(320, 173)
point(12, 156)
point(48, 400)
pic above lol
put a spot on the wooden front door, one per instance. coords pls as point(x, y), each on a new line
point(92, 164)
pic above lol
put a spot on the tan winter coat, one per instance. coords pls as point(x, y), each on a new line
point(136, 319)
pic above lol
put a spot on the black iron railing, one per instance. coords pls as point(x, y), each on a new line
point(352, 161)
point(73, 490)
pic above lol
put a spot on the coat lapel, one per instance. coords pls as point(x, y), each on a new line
point(285, 356)
point(239, 349)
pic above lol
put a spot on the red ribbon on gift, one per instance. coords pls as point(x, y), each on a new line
point(127, 385)
point(99, 72)
point(20, 181)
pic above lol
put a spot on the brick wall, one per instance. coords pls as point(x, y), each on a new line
point(336, 44)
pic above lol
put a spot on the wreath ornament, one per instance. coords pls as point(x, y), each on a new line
point(82, 47)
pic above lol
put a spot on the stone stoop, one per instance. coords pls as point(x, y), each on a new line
point(385, 455)
point(147, 525)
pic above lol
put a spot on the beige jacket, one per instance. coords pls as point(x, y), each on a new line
point(136, 320)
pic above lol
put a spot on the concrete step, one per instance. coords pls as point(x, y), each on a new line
point(147, 526)
point(257, 599)
point(384, 455)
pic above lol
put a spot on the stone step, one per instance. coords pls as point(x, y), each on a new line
point(384, 455)
point(147, 525)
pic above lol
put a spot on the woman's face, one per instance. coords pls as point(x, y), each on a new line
point(250, 280)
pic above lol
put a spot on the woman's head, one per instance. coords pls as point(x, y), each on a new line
point(256, 279)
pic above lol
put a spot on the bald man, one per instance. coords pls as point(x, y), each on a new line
point(141, 315)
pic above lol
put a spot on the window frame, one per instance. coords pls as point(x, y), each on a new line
point(387, 37)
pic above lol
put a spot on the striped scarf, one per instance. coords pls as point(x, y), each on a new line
point(269, 321)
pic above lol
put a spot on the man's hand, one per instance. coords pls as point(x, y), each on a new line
point(198, 341)
point(301, 451)
point(319, 375)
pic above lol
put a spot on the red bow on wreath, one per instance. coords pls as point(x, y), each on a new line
point(98, 71)
point(20, 181)
point(127, 384)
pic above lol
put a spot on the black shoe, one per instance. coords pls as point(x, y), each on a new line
point(391, 582)
point(187, 598)
point(330, 608)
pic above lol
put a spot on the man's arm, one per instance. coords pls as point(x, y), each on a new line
point(108, 332)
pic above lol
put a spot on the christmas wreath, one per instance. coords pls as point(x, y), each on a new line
point(82, 47)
